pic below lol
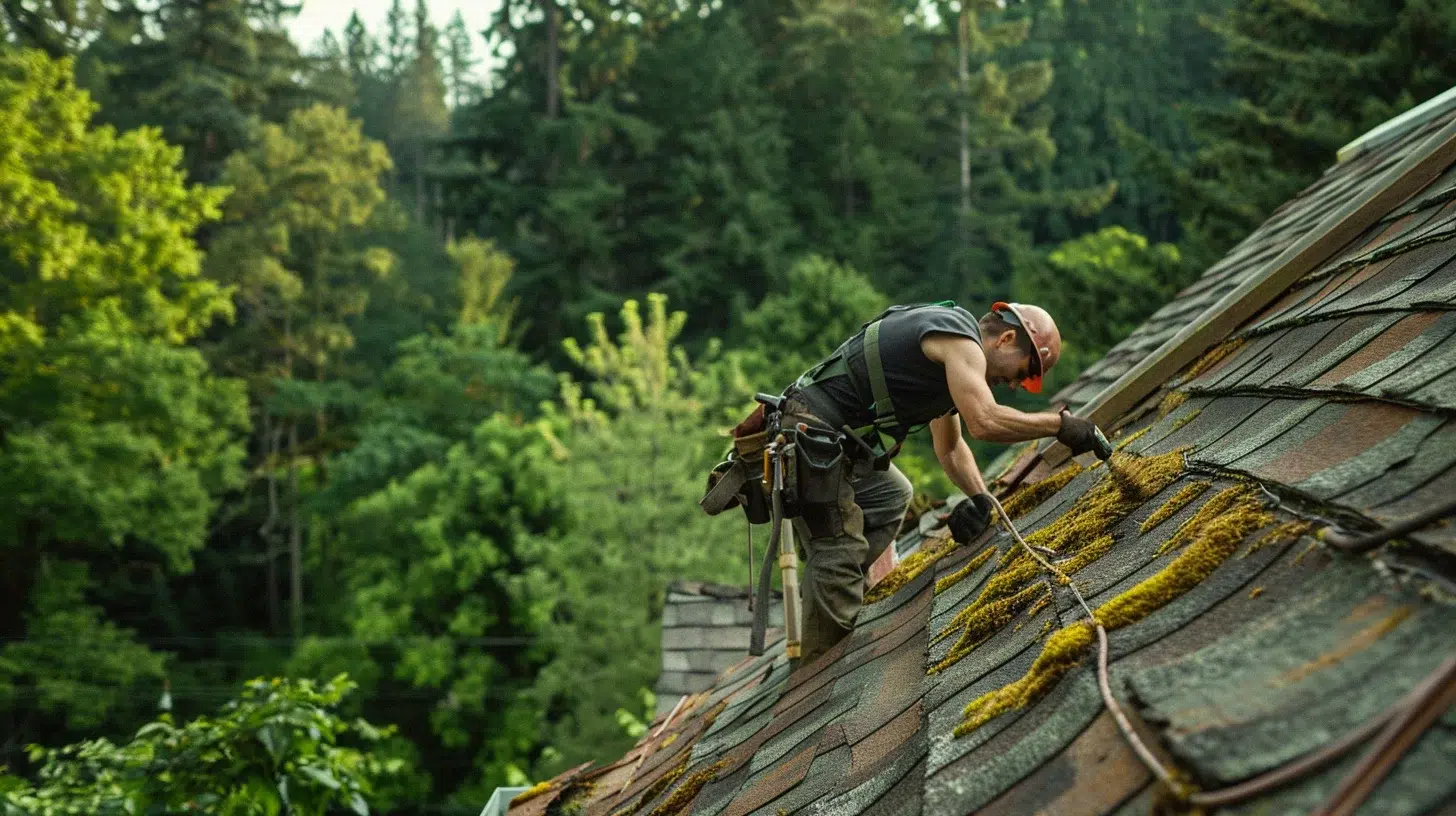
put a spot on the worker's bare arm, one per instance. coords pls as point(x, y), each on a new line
point(965, 374)
point(955, 456)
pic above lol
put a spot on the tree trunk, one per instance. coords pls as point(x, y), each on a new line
point(965, 82)
point(295, 536)
point(270, 523)
point(553, 23)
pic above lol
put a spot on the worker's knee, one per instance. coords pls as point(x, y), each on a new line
point(884, 495)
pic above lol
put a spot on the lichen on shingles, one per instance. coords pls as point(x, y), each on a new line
point(1213, 539)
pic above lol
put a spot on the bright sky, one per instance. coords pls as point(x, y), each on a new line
point(317, 15)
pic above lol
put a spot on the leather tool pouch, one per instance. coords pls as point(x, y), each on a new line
point(739, 479)
point(818, 465)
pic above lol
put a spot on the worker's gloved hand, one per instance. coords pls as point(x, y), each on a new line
point(1081, 435)
point(970, 518)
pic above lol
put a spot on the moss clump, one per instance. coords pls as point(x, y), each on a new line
point(1281, 534)
point(987, 620)
point(1026, 499)
point(1212, 358)
point(1184, 420)
point(971, 566)
point(572, 801)
point(679, 800)
point(908, 570)
point(1131, 438)
point(1213, 541)
point(1171, 401)
point(531, 793)
point(663, 783)
point(1062, 652)
point(1170, 508)
point(1214, 537)
point(1130, 481)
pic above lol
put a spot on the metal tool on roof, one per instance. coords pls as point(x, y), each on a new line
point(783, 533)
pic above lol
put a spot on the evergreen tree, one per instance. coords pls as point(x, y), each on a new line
point(207, 72)
point(1133, 64)
point(420, 115)
point(460, 64)
point(1308, 78)
point(1000, 134)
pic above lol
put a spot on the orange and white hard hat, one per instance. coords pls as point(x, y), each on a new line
point(1046, 341)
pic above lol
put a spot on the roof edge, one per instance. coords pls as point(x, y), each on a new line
point(1420, 167)
point(1393, 129)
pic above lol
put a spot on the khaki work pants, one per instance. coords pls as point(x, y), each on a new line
point(839, 542)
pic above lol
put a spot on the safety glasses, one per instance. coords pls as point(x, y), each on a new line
point(1009, 313)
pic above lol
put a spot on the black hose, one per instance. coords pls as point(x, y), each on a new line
point(1348, 543)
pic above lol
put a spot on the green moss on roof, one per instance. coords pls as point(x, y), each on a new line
point(1170, 508)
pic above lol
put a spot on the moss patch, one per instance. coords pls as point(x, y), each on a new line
point(531, 793)
point(987, 620)
point(685, 793)
point(573, 800)
point(1211, 509)
point(971, 566)
point(1171, 401)
point(1131, 438)
point(1184, 420)
point(1062, 652)
point(908, 570)
point(1026, 499)
point(1212, 540)
point(1170, 508)
point(1212, 358)
point(1281, 534)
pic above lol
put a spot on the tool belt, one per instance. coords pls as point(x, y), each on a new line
point(815, 461)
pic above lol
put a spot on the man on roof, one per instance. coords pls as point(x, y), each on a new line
point(912, 366)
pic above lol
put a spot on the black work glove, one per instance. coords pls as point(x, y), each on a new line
point(1081, 435)
point(970, 518)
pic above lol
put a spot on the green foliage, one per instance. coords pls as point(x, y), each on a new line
point(436, 564)
point(1098, 288)
point(638, 448)
point(275, 749)
point(299, 196)
point(819, 306)
point(206, 72)
point(116, 438)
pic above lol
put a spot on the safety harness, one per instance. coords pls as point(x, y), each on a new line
point(837, 364)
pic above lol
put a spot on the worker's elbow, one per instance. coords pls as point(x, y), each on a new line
point(979, 426)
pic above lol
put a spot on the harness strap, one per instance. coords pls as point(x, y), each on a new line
point(884, 407)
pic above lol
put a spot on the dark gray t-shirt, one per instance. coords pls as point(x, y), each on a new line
point(917, 384)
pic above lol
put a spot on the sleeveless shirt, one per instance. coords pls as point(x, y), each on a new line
point(916, 383)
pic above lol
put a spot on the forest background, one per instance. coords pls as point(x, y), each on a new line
point(401, 355)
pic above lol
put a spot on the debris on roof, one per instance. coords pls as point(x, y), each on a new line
point(1238, 641)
